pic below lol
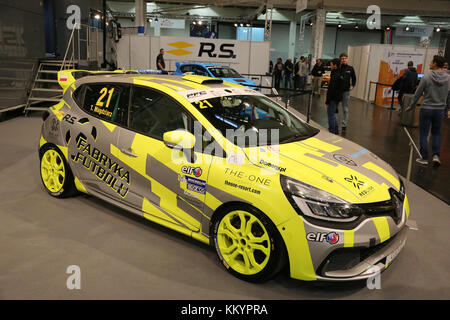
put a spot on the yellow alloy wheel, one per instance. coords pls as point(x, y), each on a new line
point(52, 170)
point(243, 242)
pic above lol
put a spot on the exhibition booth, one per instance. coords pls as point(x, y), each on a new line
point(383, 64)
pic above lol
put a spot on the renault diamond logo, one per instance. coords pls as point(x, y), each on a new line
point(356, 183)
point(180, 45)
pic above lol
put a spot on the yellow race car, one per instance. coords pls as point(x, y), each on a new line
point(228, 166)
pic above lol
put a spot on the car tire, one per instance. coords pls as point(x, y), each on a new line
point(252, 250)
point(56, 175)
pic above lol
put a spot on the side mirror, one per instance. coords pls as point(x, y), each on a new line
point(180, 139)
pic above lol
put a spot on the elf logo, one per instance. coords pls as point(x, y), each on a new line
point(209, 48)
point(196, 171)
point(331, 237)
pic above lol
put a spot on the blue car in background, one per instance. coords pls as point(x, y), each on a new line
point(215, 71)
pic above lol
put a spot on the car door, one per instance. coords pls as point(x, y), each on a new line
point(92, 130)
point(165, 183)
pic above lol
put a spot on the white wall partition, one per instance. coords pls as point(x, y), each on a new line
point(140, 52)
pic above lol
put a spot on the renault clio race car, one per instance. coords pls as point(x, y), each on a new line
point(178, 151)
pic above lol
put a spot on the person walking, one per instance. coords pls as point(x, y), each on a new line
point(349, 78)
point(303, 73)
point(334, 95)
point(160, 63)
point(435, 89)
point(317, 74)
point(297, 67)
point(277, 72)
point(408, 82)
point(288, 68)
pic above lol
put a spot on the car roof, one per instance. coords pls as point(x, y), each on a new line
point(170, 82)
point(204, 64)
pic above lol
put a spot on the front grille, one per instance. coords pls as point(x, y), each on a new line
point(347, 258)
point(392, 207)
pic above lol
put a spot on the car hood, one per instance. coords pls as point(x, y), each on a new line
point(330, 163)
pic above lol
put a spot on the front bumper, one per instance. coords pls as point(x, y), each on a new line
point(335, 254)
point(338, 266)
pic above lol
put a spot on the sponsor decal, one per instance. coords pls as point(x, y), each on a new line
point(196, 171)
point(367, 191)
point(273, 166)
point(250, 177)
point(344, 159)
point(103, 167)
point(63, 77)
point(54, 127)
point(242, 187)
point(273, 148)
point(195, 94)
point(236, 159)
point(69, 118)
point(331, 237)
point(354, 180)
point(194, 184)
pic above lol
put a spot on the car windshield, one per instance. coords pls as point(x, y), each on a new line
point(223, 72)
point(257, 118)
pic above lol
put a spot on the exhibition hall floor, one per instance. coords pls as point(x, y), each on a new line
point(123, 256)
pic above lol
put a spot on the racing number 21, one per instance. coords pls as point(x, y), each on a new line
point(201, 104)
point(103, 94)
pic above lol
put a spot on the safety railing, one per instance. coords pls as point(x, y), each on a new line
point(377, 84)
point(81, 48)
point(412, 147)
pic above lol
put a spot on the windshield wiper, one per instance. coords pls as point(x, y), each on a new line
point(295, 137)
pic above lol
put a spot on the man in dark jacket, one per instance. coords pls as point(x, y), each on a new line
point(317, 74)
point(288, 68)
point(435, 88)
point(334, 95)
point(349, 78)
point(277, 72)
point(408, 82)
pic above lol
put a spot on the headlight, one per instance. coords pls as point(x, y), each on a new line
point(317, 203)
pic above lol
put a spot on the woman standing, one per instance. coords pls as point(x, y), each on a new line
point(334, 95)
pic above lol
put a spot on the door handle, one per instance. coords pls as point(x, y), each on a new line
point(129, 152)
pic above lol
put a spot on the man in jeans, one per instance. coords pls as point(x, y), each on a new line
point(435, 88)
point(349, 76)
point(334, 95)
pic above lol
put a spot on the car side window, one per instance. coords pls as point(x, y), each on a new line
point(186, 68)
point(199, 70)
point(153, 113)
point(107, 101)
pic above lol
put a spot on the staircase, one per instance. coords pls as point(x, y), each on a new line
point(45, 87)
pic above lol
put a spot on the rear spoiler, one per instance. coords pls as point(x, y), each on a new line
point(202, 79)
point(67, 77)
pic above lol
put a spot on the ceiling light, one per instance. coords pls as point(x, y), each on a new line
point(339, 25)
point(407, 28)
point(388, 28)
point(156, 19)
point(356, 27)
point(242, 24)
point(438, 29)
point(194, 23)
point(97, 16)
point(150, 20)
point(248, 24)
point(200, 23)
point(235, 24)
